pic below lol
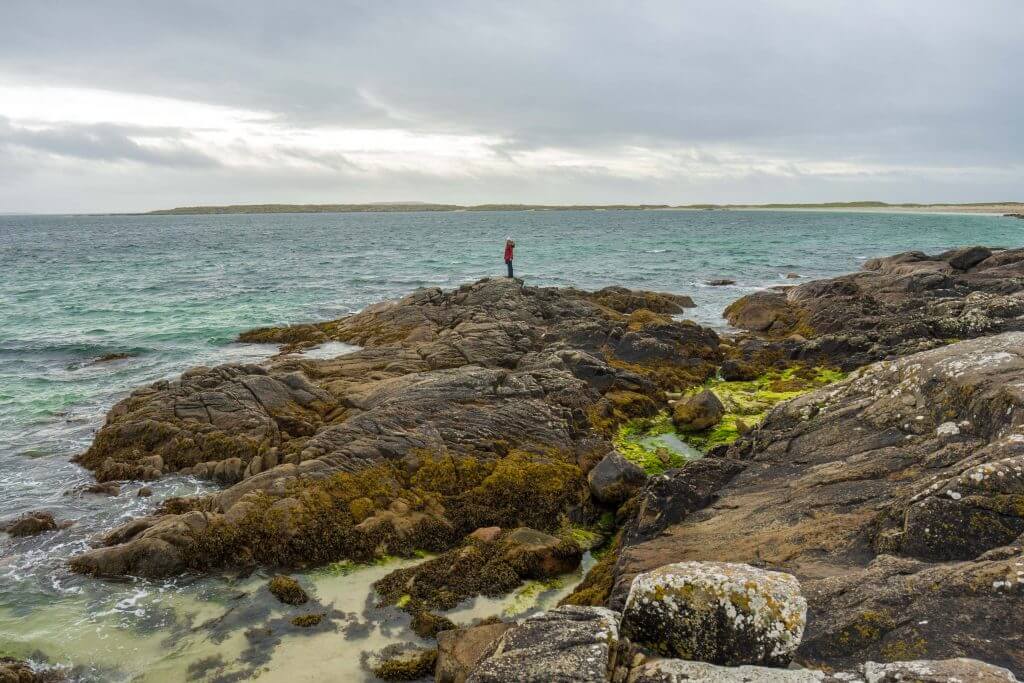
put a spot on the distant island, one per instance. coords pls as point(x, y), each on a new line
point(980, 207)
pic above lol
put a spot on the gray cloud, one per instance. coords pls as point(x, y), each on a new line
point(105, 142)
point(920, 84)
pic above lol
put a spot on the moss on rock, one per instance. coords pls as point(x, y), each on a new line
point(406, 665)
point(287, 590)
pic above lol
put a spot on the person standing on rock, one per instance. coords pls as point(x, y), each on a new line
point(510, 247)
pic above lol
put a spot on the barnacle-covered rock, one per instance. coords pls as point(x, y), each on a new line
point(717, 612)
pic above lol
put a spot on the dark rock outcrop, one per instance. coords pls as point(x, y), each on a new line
point(466, 377)
point(897, 305)
point(894, 496)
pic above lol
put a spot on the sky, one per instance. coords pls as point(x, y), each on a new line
point(141, 104)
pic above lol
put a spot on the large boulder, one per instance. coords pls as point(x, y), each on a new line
point(460, 651)
point(615, 479)
point(569, 644)
point(717, 612)
point(696, 413)
point(959, 670)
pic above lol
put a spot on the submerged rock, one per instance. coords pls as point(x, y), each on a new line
point(287, 590)
point(30, 524)
point(716, 612)
point(404, 664)
point(570, 643)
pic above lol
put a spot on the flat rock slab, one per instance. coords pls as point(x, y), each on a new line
point(566, 645)
point(682, 671)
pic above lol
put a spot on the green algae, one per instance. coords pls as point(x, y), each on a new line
point(587, 538)
point(636, 441)
point(648, 442)
point(528, 595)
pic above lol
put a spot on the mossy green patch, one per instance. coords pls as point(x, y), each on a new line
point(637, 441)
point(748, 402)
point(527, 597)
point(585, 537)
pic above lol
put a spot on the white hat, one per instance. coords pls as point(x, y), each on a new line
point(508, 238)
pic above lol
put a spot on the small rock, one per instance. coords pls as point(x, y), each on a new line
point(737, 371)
point(427, 624)
point(487, 534)
point(308, 620)
point(699, 412)
point(716, 612)
point(792, 276)
point(16, 671)
point(614, 479)
point(287, 590)
point(107, 488)
point(537, 555)
point(145, 492)
point(31, 524)
point(404, 664)
point(108, 357)
point(722, 282)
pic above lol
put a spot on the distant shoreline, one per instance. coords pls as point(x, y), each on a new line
point(996, 208)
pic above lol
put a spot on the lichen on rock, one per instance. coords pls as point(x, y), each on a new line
point(721, 613)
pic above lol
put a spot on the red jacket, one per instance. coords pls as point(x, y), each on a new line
point(508, 252)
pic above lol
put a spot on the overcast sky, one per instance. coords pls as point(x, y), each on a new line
point(135, 105)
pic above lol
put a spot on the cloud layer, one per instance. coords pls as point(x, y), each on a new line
point(136, 105)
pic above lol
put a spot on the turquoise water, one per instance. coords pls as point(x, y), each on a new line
point(174, 291)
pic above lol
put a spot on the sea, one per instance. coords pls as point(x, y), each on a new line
point(165, 293)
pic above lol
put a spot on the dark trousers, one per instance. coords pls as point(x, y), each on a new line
point(509, 264)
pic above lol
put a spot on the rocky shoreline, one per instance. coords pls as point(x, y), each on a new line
point(837, 524)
